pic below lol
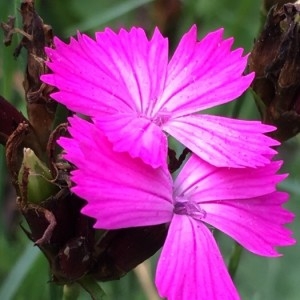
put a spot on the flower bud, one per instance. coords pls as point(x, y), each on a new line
point(35, 179)
point(275, 59)
point(269, 3)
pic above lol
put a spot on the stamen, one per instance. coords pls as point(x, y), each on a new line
point(189, 208)
point(162, 117)
point(159, 119)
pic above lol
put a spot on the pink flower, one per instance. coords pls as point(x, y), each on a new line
point(122, 191)
point(126, 83)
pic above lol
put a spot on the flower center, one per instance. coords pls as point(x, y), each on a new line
point(189, 208)
point(160, 118)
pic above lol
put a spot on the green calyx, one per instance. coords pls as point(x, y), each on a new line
point(34, 179)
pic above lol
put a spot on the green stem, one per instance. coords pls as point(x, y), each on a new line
point(92, 287)
point(235, 259)
point(71, 291)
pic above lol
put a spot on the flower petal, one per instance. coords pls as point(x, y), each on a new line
point(136, 135)
point(257, 223)
point(224, 142)
point(120, 191)
point(242, 203)
point(118, 72)
point(83, 85)
point(202, 182)
point(203, 74)
point(191, 266)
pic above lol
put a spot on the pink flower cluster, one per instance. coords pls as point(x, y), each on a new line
point(136, 97)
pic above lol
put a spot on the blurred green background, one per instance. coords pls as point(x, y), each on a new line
point(23, 270)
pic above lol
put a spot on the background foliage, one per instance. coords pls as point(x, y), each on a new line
point(23, 270)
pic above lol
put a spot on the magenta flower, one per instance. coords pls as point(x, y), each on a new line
point(122, 191)
point(126, 83)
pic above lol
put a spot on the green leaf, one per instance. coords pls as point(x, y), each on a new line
point(107, 16)
point(17, 274)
